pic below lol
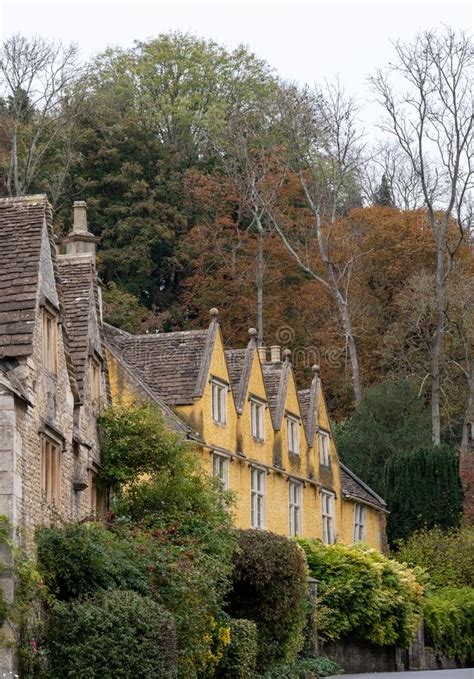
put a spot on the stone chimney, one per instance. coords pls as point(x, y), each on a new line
point(80, 240)
point(275, 353)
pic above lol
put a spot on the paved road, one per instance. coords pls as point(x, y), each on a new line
point(432, 674)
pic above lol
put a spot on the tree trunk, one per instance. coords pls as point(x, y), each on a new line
point(350, 340)
point(259, 280)
point(438, 336)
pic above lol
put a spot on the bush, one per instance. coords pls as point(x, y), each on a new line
point(304, 668)
point(364, 594)
point(240, 657)
point(423, 490)
point(269, 586)
point(115, 634)
point(449, 622)
point(83, 558)
point(448, 556)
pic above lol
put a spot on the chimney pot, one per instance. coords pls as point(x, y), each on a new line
point(262, 352)
point(80, 217)
point(275, 353)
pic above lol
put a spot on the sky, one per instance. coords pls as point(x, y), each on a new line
point(305, 41)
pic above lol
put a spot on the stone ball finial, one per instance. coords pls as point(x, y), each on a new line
point(214, 312)
point(286, 354)
point(316, 369)
point(253, 332)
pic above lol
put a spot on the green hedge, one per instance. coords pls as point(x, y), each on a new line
point(449, 622)
point(364, 594)
point(269, 586)
point(114, 635)
point(240, 657)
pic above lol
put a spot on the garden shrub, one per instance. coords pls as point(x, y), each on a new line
point(112, 635)
point(83, 558)
point(448, 556)
point(449, 622)
point(304, 668)
point(423, 490)
point(240, 657)
point(269, 586)
point(364, 594)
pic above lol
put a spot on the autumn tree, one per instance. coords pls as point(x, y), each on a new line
point(433, 125)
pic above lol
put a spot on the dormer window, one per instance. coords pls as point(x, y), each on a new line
point(324, 458)
point(50, 341)
point(257, 412)
point(50, 470)
point(219, 401)
point(292, 428)
point(96, 379)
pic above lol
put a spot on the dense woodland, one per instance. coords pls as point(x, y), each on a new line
point(213, 183)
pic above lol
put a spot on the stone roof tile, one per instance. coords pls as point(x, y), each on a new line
point(354, 487)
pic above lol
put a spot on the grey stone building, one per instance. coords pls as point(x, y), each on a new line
point(52, 374)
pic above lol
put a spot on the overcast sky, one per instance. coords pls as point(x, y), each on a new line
point(304, 41)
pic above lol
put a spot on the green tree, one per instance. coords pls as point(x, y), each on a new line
point(423, 490)
point(390, 420)
point(383, 195)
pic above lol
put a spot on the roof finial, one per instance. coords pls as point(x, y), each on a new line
point(252, 333)
point(316, 369)
point(286, 355)
point(214, 313)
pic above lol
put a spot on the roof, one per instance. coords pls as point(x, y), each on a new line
point(170, 364)
point(354, 487)
point(275, 378)
point(21, 227)
point(77, 275)
point(235, 363)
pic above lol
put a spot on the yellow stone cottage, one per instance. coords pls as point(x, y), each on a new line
point(265, 440)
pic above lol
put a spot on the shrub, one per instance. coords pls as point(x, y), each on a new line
point(448, 556)
point(364, 594)
point(270, 587)
point(83, 558)
point(449, 622)
point(240, 657)
point(423, 490)
point(115, 634)
point(304, 668)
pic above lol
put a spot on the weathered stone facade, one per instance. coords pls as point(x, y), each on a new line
point(49, 446)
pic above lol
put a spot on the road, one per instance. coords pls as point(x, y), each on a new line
point(432, 674)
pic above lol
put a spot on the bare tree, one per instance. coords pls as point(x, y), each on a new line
point(36, 80)
point(433, 124)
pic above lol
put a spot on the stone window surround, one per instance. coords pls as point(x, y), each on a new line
point(292, 433)
point(257, 417)
point(324, 455)
point(328, 519)
point(257, 496)
point(360, 515)
point(219, 400)
point(220, 468)
point(295, 493)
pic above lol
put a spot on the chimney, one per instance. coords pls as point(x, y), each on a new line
point(262, 352)
point(80, 240)
point(275, 353)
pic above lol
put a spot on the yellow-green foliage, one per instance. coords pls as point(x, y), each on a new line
point(364, 594)
point(449, 622)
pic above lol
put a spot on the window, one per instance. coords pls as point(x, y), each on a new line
point(324, 448)
point(50, 470)
point(295, 508)
point(257, 409)
point(258, 497)
point(292, 428)
point(220, 469)
point(359, 522)
point(97, 496)
point(219, 398)
point(328, 517)
point(50, 341)
point(96, 379)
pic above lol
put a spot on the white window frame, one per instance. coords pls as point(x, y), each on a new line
point(360, 515)
point(327, 512)
point(220, 469)
point(295, 492)
point(257, 419)
point(219, 401)
point(324, 456)
point(258, 483)
point(293, 434)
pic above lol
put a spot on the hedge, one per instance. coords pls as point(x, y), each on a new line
point(117, 634)
point(269, 586)
point(364, 594)
point(449, 622)
point(240, 657)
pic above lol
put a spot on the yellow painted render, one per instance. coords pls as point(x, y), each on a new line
point(235, 440)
